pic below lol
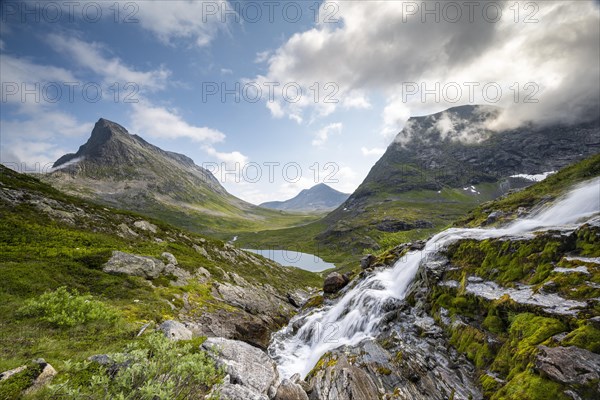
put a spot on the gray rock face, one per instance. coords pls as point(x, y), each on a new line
point(569, 365)
point(343, 381)
point(131, 264)
point(175, 330)
point(334, 282)
point(247, 366)
point(169, 257)
point(145, 226)
point(367, 261)
point(228, 391)
point(289, 390)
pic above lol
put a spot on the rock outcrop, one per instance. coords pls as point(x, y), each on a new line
point(569, 365)
point(251, 372)
point(175, 330)
point(131, 264)
point(334, 282)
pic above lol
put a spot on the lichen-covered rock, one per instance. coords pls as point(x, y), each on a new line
point(131, 264)
point(169, 257)
point(228, 391)
point(569, 365)
point(340, 380)
point(289, 390)
point(334, 282)
point(246, 365)
point(145, 226)
point(175, 330)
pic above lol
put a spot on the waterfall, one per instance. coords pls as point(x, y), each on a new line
point(357, 315)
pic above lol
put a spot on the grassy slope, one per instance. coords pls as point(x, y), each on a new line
point(216, 215)
point(40, 253)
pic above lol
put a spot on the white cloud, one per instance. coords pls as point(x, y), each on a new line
point(196, 20)
point(21, 75)
point(323, 134)
point(262, 56)
point(375, 151)
point(33, 141)
point(226, 71)
point(378, 48)
point(111, 69)
point(234, 158)
point(347, 180)
point(158, 122)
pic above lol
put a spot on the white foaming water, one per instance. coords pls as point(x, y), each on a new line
point(357, 315)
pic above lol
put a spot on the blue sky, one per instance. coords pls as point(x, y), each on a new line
point(366, 56)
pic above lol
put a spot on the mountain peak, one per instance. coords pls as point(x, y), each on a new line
point(320, 197)
point(103, 131)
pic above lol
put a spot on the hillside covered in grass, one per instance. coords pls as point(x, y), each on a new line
point(59, 300)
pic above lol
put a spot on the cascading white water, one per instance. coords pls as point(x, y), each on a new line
point(357, 315)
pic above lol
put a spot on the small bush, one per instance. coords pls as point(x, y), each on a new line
point(153, 368)
point(61, 309)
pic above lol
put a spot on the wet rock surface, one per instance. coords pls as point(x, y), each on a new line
point(410, 360)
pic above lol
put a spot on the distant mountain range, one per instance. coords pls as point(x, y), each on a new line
point(123, 170)
point(320, 197)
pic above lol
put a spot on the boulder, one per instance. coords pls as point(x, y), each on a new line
point(246, 365)
point(125, 230)
point(343, 381)
point(228, 391)
point(493, 217)
point(44, 378)
point(334, 282)
point(131, 264)
point(289, 390)
point(297, 298)
point(367, 261)
point(568, 365)
point(175, 330)
point(169, 257)
point(145, 226)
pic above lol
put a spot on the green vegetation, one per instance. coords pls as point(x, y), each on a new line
point(152, 367)
point(532, 261)
point(501, 337)
point(11, 388)
point(51, 241)
point(63, 309)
